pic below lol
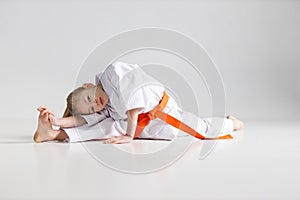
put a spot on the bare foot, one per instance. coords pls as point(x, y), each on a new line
point(238, 124)
point(44, 131)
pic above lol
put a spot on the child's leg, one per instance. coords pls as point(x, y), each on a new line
point(101, 130)
point(222, 125)
point(45, 132)
point(238, 124)
point(62, 135)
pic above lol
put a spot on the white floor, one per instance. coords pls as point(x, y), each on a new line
point(261, 162)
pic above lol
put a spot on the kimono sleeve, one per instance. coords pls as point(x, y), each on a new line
point(98, 79)
point(137, 89)
point(146, 98)
point(94, 118)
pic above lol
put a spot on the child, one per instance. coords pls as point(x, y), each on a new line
point(125, 103)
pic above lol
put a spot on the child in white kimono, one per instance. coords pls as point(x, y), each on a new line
point(112, 108)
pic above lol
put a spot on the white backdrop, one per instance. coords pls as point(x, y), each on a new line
point(255, 45)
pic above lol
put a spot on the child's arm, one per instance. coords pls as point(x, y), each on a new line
point(132, 116)
point(67, 122)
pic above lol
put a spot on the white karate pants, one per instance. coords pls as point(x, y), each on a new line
point(156, 129)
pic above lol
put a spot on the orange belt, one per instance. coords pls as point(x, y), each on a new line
point(145, 118)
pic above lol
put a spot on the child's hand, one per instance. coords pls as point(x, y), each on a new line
point(51, 116)
point(54, 121)
point(118, 139)
point(45, 110)
point(88, 85)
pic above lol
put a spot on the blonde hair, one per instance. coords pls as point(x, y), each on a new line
point(71, 102)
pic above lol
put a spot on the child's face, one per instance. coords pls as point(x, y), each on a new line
point(91, 100)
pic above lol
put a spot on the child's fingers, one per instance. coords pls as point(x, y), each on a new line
point(122, 140)
point(110, 140)
point(50, 112)
point(42, 107)
point(118, 140)
point(47, 116)
point(52, 118)
point(43, 112)
point(106, 142)
point(46, 110)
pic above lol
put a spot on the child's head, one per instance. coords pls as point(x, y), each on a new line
point(85, 101)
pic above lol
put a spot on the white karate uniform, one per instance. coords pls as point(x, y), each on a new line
point(129, 87)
